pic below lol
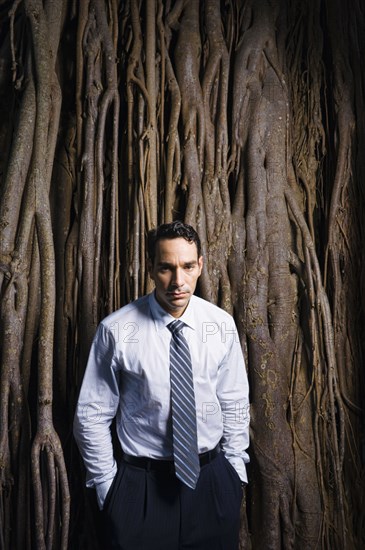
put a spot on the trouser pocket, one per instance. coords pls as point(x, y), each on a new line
point(113, 489)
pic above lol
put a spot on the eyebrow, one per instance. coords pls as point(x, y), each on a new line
point(186, 264)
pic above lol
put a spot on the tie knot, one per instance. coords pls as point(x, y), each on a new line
point(175, 326)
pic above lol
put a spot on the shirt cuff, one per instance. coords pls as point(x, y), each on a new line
point(239, 465)
point(101, 492)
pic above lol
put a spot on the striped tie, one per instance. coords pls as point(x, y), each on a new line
point(184, 432)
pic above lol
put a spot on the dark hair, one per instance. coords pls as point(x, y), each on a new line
point(173, 230)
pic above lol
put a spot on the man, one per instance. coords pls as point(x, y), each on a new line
point(170, 368)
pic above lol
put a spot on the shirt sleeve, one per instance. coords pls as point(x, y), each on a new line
point(97, 405)
point(233, 396)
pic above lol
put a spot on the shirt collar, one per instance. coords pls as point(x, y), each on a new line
point(162, 318)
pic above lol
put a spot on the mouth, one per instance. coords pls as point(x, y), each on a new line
point(177, 294)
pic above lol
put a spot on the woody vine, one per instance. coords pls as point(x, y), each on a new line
point(243, 118)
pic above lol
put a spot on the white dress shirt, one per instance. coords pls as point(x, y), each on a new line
point(127, 376)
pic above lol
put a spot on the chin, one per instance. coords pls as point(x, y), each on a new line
point(178, 304)
point(180, 300)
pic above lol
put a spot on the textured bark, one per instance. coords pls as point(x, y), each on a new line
point(245, 119)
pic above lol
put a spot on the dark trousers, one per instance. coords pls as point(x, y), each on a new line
point(149, 510)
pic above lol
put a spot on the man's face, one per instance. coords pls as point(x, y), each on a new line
point(175, 272)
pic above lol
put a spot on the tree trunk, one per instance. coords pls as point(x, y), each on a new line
point(245, 119)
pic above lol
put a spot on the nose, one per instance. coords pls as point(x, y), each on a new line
point(177, 277)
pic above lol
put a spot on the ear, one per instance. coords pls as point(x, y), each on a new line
point(150, 269)
point(200, 264)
